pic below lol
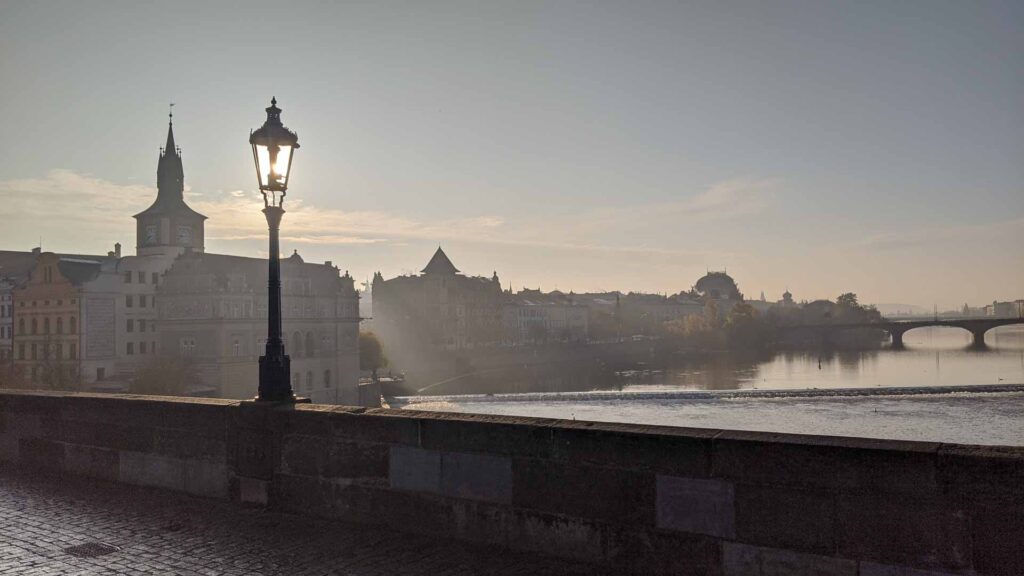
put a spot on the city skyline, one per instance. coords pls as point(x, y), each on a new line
point(881, 158)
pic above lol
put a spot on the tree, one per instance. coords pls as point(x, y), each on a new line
point(745, 329)
point(847, 300)
point(371, 353)
point(163, 376)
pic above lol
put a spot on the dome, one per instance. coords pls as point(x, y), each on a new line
point(718, 285)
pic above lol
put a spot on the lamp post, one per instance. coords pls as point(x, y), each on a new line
point(272, 148)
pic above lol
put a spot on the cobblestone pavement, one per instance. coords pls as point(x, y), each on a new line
point(160, 532)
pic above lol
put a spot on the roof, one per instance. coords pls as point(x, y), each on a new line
point(170, 179)
point(440, 264)
point(239, 274)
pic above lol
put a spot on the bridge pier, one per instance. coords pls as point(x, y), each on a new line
point(896, 337)
point(978, 341)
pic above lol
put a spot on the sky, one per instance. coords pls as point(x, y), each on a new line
point(824, 147)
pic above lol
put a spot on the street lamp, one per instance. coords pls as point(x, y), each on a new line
point(273, 146)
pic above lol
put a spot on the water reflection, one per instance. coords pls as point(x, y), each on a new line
point(933, 356)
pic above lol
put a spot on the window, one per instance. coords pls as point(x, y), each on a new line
point(21, 351)
point(101, 373)
point(35, 326)
point(21, 325)
point(128, 277)
point(142, 324)
point(46, 325)
point(130, 348)
point(187, 346)
point(155, 278)
point(142, 347)
point(130, 325)
point(73, 351)
point(35, 351)
point(297, 344)
point(327, 378)
point(128, 301)
point(310, 345)
point(60, 351)
point(236, 348)
point(60, 325)
point(142, 300)
point(141, 277)
point(309, 380)
point(297, 379)
point(74, 325)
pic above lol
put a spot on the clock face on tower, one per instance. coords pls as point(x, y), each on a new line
point(185, 235)
point(150, 234)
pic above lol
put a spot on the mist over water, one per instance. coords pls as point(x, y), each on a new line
point(920, 393)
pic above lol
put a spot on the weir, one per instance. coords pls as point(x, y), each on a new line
point(642, 499)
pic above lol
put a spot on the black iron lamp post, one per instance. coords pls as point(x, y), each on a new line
point(273, 146)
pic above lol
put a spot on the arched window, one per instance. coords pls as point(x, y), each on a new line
point(46, 325)
point(35, 326)
point(297, 379)
point(21, 325)
point(327, 378)
point(74, 325)
point(297, 345)
point(310, 345)
point(60, 325)
point(309, 380)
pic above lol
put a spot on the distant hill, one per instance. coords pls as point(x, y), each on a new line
point(890, 309)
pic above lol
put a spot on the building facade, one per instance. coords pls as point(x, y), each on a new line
point(212, 313)
point(440, 309)
point(533, 317)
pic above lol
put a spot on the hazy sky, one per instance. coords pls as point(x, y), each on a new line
point(876, 147)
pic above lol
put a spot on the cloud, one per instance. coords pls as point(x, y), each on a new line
point(64, 205)
point(1005, 230)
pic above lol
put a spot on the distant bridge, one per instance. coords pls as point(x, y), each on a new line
point(897, 328)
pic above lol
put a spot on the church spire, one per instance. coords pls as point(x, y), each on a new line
point(170, 148)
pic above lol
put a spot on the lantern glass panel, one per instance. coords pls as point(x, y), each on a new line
point(280, 168)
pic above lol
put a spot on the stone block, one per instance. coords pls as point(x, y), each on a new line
point(656, 552)
point(14, 427)
point(146, 469)
point(93, 462)
point(607, 494)
point(41, 454)
point(378, 425)
point(204, 478)
point(253, 491)
point(982, 473)
point(676, 451)
point(415, 469)
point(476, 476)
point(791, 518)
point(998, 531)
point(254, 454)
point(899, 529)
point(873, 569)
point(746, 560)
point(188, 445)
point(488, 435)
point(481, 522)
point(824, 462)
point(580, 539)
point(696, 505)
point(356, 460)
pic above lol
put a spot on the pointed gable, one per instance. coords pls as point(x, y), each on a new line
point(440, 264)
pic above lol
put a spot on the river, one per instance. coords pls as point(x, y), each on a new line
point(936, 389)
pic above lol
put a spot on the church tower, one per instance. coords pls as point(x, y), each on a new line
point(169, 226)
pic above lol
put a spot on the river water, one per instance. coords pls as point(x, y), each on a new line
point(937, 389)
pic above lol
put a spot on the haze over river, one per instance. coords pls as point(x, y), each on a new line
point(936, 389)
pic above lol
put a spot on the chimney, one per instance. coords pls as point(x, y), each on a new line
point(117, 249)
point(36, 250)
point(329, 264)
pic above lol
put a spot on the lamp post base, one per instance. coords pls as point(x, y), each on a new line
point(275, 379)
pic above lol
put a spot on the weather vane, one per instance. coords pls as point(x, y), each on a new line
point(170, 110)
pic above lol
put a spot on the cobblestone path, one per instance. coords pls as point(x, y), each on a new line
point(159, 532)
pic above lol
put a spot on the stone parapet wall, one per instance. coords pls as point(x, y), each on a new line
point(643, 499)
